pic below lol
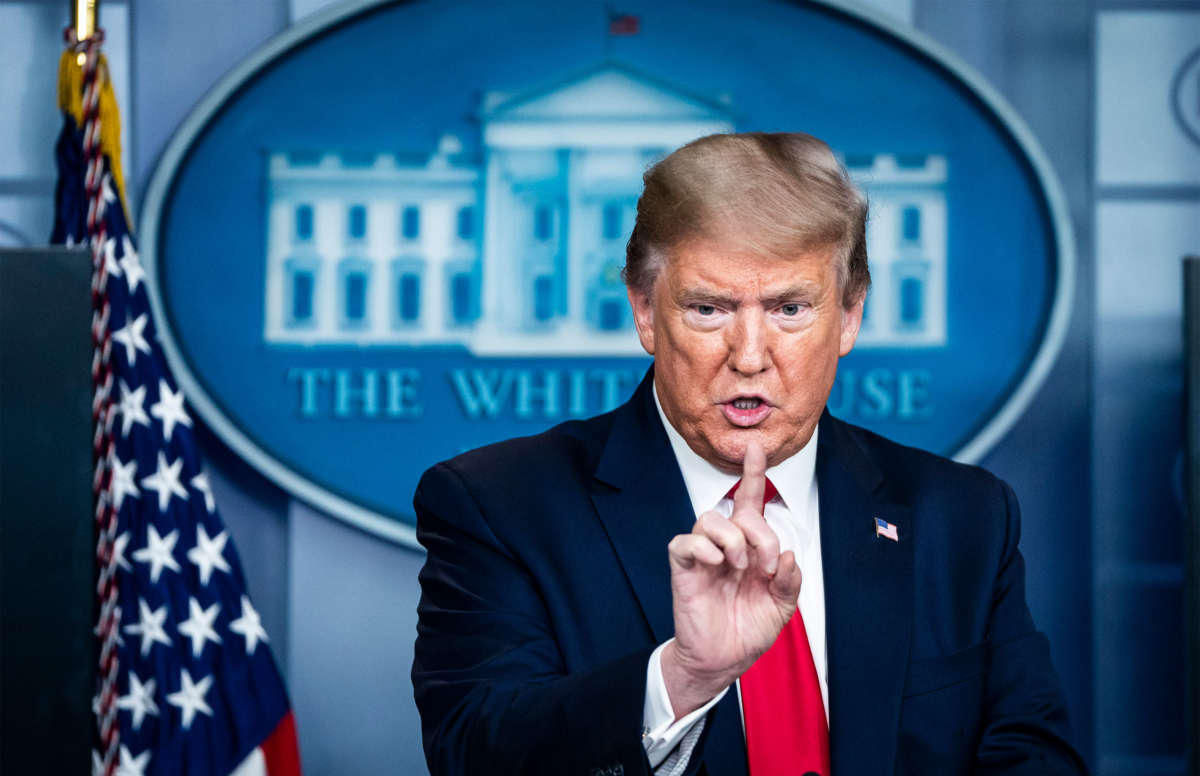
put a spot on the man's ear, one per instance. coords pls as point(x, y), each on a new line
point(643, 317)
point(851, 323)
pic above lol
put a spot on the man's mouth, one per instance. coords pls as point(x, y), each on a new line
point(746, 411)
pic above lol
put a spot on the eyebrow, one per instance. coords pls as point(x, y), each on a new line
point(801, 291)
point(700, 295)
point(704, 296)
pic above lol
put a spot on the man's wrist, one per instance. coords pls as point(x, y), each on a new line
point(688, 688)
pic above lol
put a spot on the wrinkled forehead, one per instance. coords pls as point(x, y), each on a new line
point(736, 270)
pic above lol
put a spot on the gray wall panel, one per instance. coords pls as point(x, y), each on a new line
point(1039, 56)
point(353, 620)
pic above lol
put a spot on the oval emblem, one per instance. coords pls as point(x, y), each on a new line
point(1185, 96)
point(396, 232)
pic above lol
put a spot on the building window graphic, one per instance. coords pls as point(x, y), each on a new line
point(463, 288)
point(304, 222)
point(465, 223)
point(612, 314)
point(356, 222)
point(302, 296)
point(460, 297)
point(410, 222)
point(301, 274)
point(356, 297)
point(910, 219)
point(608, 307)
point(612, 221)
point(912, 301)
point(407, 287)
point(910, 282)
point(510, 242)
point(355, 278)
point(408, 297)
point(543, 223)
point(543, 298)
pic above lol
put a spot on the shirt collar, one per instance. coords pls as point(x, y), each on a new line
point(707, 485)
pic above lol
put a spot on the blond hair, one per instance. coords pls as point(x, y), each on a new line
point(773, 194)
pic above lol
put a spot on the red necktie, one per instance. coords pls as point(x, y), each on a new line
point(786, 729)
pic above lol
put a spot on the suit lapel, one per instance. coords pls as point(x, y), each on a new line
point(643, 503)
point(868, 604)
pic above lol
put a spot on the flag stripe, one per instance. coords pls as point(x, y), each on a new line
point(281, 749)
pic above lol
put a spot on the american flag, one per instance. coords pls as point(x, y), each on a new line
point(186, 681)
point(886, 530)
point(622, 24)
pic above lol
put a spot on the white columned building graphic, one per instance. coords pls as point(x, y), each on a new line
point(906, 245)
point(517, 250)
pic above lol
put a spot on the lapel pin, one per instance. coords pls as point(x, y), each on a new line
point(886, 530)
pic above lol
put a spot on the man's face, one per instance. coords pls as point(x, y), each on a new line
point(745, 347)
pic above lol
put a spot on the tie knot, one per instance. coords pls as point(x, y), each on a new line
point(769, 491)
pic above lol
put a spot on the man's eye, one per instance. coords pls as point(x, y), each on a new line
point(790, 309)
point(705, 309)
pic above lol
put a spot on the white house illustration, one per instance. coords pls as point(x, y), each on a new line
point(906, 246)
point(519, 251)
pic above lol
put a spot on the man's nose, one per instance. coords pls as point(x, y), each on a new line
point(748, 348)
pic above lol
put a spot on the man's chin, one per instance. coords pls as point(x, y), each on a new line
point(729, 452)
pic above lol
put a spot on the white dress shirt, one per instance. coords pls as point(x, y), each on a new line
point(794, 517)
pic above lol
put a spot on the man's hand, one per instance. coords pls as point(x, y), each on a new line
point(732, 594)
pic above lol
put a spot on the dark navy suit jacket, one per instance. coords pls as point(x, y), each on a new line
point(546, 587)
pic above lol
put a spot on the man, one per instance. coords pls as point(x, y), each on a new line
point(719, 577)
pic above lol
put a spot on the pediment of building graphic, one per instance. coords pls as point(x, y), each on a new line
point(610, 90)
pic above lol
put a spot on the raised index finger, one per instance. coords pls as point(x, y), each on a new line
point(749, 495)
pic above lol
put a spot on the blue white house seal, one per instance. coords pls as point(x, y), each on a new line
point(396, 231)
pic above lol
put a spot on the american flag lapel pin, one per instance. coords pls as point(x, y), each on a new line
point(886, 530)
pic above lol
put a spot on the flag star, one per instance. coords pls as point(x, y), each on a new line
point(132, 336)
point(199, 626)
point(119, 545)
point(130, 263)
point(132, 409)
point(158, 552)
point(140, 700)
point(165, 480)
point(130, 765)
point(200, 483)
point(110, 257)
point(249, 626)
point(169, 409)
point(122, 481)
point(207, 553)
point(150, 626)
point(106, 184)
point(190, 698)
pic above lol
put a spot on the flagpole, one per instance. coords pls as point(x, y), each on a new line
point(608, 15)
point(85, 37)
point(84, 18)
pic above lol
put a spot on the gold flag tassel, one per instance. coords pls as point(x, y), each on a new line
point(70, 100)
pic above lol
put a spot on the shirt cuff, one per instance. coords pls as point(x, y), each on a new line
point(661, 732)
